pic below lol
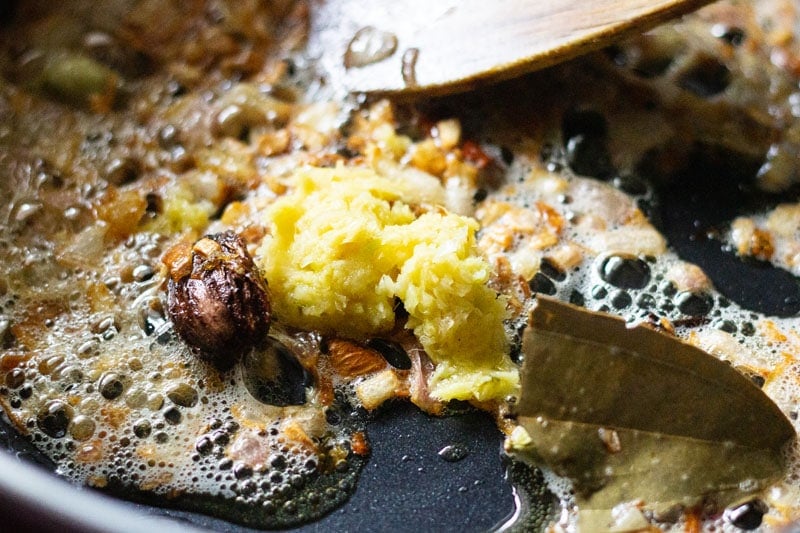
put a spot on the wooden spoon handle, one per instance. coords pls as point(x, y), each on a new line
point(449, 45)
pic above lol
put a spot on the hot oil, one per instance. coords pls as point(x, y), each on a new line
point(91, 372)
point(667, 293)
point(535, 504)
point(116, 402)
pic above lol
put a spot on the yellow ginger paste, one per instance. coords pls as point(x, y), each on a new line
point(344, 244)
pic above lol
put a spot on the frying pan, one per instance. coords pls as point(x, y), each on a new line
point(406, 484)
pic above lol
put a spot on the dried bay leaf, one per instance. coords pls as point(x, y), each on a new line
point(631, 413)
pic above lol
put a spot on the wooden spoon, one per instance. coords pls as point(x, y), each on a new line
point(431, 47)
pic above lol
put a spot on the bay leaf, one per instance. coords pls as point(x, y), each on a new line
point(633, 413)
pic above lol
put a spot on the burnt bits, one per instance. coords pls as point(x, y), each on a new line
point(216, 299)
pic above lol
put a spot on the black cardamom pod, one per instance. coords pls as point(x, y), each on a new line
point(216, 298)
